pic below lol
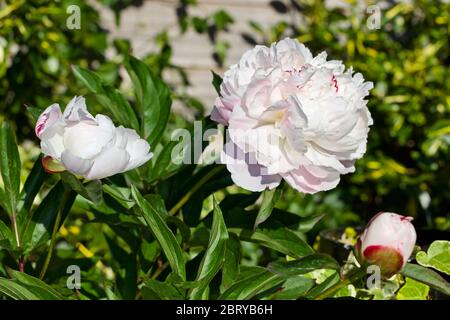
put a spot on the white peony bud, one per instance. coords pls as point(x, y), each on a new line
point(89, 146)
point(388, 241)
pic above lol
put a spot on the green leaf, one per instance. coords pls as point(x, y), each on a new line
point(38, 287)
point(26, 287)
point(307, 224)
point(6, 236)
point(34, 112)
point(91, 191)
point(162, 233)
point(114, 101)
point(39, 226)
point(216, 82)
point(270, 197)
point(303, 265)
point(163, 290)
point(294, 288)
point(122, 195)
point(162, 164)
point(185, 231)
point(32, 185)
point(437, 256)
point(283, 240)
point(111, 99)
point(125, 269)
point(231, 261)
point(10, 167)
point(426, 276)
point(413, 290)
point(90, 79)
point(15, 290)
point(222, 19)
point(213, 259)
point(200, 24)
point(328, 283)
point(153, 99)
point(259, 281)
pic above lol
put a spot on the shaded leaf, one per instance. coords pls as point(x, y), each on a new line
point(10, 167)
point(111, 99)
point(270, 197)
point(6, 236)
point(213, 258)
point(426, 276)
point(231, 260)
point(283, 240)
point(39, 226)
point(216, 82)
point(303, 265)
point(162, 233)
point(163, 290)
point(294, 288)
point(91, 190)
point(153, 99)
point(259, 281)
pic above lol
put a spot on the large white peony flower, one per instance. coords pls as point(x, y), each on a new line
point(292, 116)
point(88, 146)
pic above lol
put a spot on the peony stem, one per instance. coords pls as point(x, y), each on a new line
point(52, 245)
point(53, 238)
point(358, 274)
point(16, 231)
point(16, 234)
point(194, 189)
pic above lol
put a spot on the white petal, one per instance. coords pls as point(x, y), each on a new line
point(75, 164)
point(53, 146)
point(312, 179)
point(86, 140)
point(76, 110)
point(245, 172)
point(137, 148)
point(109, 162)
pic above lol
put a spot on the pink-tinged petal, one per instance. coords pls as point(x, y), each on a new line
point(245, 172)
point(76, 111)
point(291, 54)
point(220, 112)
point(48, 119)
point(257, 98)
point(75, 164)
point(109, 162)
point(312, 179)
point(51, 166)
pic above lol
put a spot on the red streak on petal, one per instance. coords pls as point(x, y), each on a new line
point(403, 218)
point(334, 81)
point(40, 125)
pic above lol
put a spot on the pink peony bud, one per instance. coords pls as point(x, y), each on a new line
point(388, 241)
